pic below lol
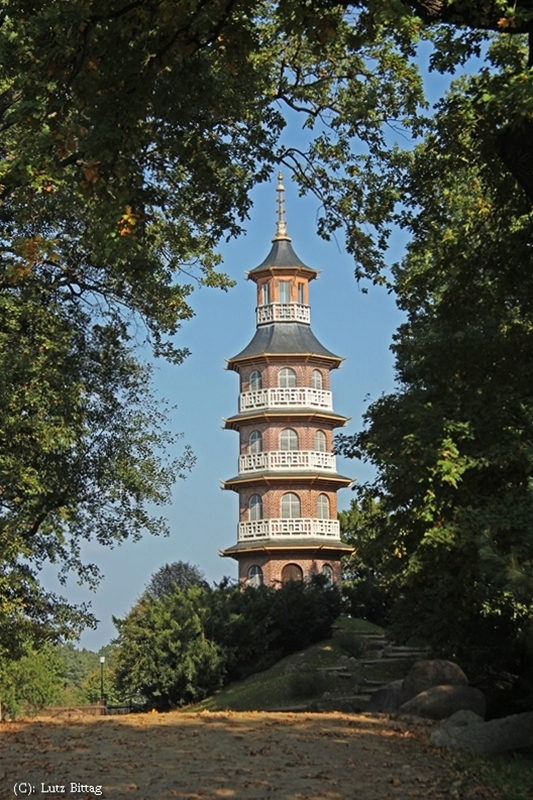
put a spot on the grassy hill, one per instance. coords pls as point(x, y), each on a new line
point(344, 667)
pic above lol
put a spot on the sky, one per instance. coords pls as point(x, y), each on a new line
point(203, 518)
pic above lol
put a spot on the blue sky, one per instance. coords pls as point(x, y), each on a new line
point(355, 325)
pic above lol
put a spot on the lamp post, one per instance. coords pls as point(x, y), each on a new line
point(102, 662)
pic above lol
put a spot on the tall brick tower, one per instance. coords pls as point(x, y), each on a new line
point(287, 480)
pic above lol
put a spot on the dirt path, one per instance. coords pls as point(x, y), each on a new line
point(223, 755)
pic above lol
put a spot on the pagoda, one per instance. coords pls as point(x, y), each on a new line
point(287, 479)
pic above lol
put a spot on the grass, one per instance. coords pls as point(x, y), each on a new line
point(294, 682)
point(357, 625)
point(507, 777)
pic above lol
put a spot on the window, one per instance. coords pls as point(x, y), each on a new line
point(290, 506)
point(323, 506)
point(256, 507)
point(255, 576)
point(288, 440)
point(301, 293)
point(327, 572)
point(316, 379)
point(256, 381)
point(265, 294)
point(320, 441)
point(291, 572)
point(284, 291)
point(255, 442)
point(287, 378)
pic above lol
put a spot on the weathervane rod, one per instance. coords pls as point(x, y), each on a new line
point(281, 223)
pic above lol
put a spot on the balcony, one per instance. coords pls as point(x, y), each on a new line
point(283, 312)
point(296, 397)
point(299, 527)
point(281, 460)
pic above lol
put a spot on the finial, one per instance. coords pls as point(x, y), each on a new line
point(281, 224)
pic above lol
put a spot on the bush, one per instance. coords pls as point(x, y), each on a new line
point(303, 685)
point(351, 644)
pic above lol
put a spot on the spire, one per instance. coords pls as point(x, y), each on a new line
point(281, 224)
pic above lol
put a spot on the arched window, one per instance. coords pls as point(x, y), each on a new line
point(288, 439)
point(327, 572)
point(316, 379)
point(291, 572)
point(256, 381)
point(256, 507)
point(320, 441)
point(290, 506)
point(255, 576)
point(287, 378)
point(255, 442)
point(323, 506)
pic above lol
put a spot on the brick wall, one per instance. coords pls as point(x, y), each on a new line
point(270, 372)
point(272, 565)
point(272, 501)
point(270, 431)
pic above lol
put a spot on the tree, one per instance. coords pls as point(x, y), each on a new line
point(179, 574)
point(366, 592)
point(453, 444)
point(81, 455)
point(31, 682)
point(164, 655)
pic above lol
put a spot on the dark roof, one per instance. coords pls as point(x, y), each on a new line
point(294, 476)
point(284, 338)
point(281, 543)
point(282, 255)
point(276, 414)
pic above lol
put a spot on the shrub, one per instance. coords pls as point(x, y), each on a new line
point(304, 685)
point(351, 644)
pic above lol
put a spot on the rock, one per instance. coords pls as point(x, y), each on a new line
point(467, 731)
point(327, 696)
point(425, 674)
point(343, 660)
point(387, 699)
point(440, 702)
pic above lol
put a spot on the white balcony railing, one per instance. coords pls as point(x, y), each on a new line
point(287, 459)
point(282, 398)
point(283, 312)
point(266, 528)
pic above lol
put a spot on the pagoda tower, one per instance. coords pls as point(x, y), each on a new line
point(287, 480)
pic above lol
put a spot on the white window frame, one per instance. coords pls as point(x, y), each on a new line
point(255, 576)
point(323, 507)
point(255, 508)
point(288, 439)
point(284, 291)
point(290, 506)
point(255, 381)
point(255, 444)
point(317, 381)
point(287, 378)
point(320, 442)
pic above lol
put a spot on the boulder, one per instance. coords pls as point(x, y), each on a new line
point(440, 702)
point(435, 672)
point(387, 699)
point(467, 731)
